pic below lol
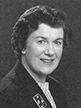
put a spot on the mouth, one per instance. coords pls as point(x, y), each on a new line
point(47, 61)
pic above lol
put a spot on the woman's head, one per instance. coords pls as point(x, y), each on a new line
point(29, 22)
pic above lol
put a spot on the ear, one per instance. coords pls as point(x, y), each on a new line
point(23, 51)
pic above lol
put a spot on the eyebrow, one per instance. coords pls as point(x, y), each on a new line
point(40, 37)
point(46, 38)
point(60, 39)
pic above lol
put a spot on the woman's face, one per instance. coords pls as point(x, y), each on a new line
point(44, 49)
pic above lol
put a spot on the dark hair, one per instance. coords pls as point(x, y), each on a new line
point(30, 20)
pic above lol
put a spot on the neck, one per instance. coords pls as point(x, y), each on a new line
point(35, 75)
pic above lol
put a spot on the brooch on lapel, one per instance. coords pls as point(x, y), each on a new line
point(39, 101)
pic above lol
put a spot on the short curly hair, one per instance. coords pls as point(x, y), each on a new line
point(29, 22)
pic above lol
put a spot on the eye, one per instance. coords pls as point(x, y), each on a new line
point(41, 41)
point(58, 42)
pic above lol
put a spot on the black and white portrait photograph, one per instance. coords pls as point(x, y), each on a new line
point(40, 54)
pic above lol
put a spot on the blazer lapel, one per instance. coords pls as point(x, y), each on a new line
point(33, 93)
point(37, 97)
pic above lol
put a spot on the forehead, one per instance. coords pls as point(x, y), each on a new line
point(47, 31)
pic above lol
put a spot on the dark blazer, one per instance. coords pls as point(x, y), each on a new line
point(19, 90)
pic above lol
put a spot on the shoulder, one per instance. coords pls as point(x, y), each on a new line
point(7, 80)
point(9, 90)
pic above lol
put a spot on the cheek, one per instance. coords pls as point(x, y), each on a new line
point(37, 51)
point(59, 52)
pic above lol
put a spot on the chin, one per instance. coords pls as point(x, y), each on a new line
point(46, 72)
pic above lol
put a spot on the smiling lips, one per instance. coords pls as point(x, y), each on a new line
point(47, 61)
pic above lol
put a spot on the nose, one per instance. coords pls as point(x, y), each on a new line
point(50, 50)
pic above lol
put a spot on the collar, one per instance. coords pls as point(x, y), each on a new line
point(44, 85)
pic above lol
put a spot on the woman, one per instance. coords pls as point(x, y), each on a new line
point(38, 39)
